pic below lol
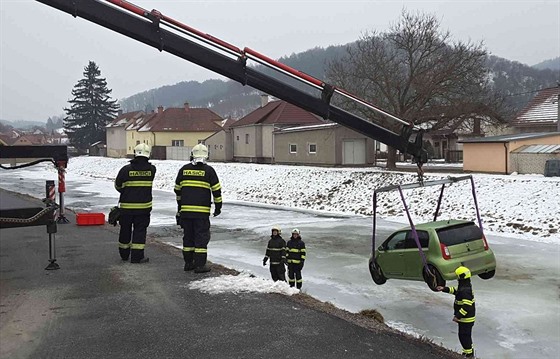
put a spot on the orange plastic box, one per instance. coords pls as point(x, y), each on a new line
point(90, 219)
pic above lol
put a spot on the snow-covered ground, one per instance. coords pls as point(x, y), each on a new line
point(339, 241)
point(526, 206)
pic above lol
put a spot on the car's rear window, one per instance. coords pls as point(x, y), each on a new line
point(461, 233)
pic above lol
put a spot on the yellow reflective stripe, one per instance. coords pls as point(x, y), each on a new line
point(135, 205)
point(118, 187)
point(299, 281)
point(291, 280)
point(451, 290)
point(217, 199)
point(137, 184)
point(216, 187)
point(201, 250)
point(295, 250)
point(295, 261)
point(177, 187)
point(462, 311)
point(137, 246)
point(468, 302)
point(124, 246)
point(467, 320)
point(201, 209)
point(468, 351)
point(275, 249)
point(188, 249)
point(191, 183)
point(302, 256)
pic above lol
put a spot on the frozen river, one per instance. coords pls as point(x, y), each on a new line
point(518, 311)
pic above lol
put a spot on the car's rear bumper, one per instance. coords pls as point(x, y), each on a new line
point(477, 263)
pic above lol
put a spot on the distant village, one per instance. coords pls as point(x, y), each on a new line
point(280, 133)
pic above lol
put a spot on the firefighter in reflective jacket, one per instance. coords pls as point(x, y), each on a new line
point(134, 182)
point(276, 252)
point(463, 308)
point(296, 258)
point(196, 182)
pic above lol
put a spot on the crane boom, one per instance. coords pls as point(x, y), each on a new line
point(166, 34)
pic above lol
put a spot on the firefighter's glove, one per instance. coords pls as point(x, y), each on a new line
point(114, 216)
point(265, 259)
point(217, 209)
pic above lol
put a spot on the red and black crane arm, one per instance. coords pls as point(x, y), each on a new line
point(169, 35)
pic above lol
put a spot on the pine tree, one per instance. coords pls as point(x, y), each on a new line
point(91, 109)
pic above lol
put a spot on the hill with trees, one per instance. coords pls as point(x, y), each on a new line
point(519, 82)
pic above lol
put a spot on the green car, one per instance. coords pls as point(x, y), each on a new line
point(446, 245)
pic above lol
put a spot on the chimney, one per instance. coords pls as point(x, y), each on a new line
point(160, 109)
point(187, 107)
point(264, 100)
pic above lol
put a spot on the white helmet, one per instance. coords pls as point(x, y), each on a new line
point(143, 150)
point(277, 229)
point(199, 153)
point(295, 230)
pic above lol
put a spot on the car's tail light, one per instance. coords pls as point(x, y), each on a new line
point(485, 242)
point(445, 251)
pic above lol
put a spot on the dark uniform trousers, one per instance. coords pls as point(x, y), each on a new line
point(465, 337)
point(278, 272)
point(294, 275)
point(133, 227)
point(196, 235)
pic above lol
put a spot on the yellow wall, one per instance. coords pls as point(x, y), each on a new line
point(495, 157)
point(163, 138)
point(190, 139)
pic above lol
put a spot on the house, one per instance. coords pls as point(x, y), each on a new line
point(115, 133)
point(540, 114)
point(253, 134)
point(497, 154)
point(176, 129)
point(98, 148)
point(323, 144)
point(220, 144)
point(30, 140)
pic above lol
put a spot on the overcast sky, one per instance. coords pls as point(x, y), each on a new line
point(44, 51)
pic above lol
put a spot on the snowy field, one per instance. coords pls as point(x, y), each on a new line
point(525, 206)
point(332, 207)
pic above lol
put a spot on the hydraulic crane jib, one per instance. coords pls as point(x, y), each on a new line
point(166, 34)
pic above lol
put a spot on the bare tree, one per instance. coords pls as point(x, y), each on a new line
point(416, 72)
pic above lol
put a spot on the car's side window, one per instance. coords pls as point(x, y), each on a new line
point(423, 237)
point(397, 241)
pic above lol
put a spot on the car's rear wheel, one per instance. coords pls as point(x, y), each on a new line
point(433, 278)
point(487, 275)
point(376, 273)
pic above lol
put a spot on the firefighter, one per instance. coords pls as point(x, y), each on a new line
point(276, 252)
point(464, 308)
point(134, 183)
point(295, 254)
point(195, 184)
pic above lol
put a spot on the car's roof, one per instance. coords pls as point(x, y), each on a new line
point(437, 224)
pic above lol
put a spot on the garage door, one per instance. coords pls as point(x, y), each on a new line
point(354, 152)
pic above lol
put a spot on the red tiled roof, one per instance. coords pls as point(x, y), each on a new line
point(6, 139)
point(180, 120)
point(542, 109)
point(280, 113)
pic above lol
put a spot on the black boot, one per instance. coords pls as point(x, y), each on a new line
point(203, 269)
point(143, 260)
point(189, 267)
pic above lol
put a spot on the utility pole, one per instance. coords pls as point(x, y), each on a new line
point(558, 104)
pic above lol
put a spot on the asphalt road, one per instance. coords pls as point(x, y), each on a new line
point(96, 306)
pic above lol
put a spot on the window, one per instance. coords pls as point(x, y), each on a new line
point(246, 138)
point(237, 138)
point(215, 147)
point(397, 241)
point(423, 237)
point(293, 148)
point(137, 142)
point(221, 147)
point(177, 143)
point(201, 141)
point(461, 233)
point(312, 148)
